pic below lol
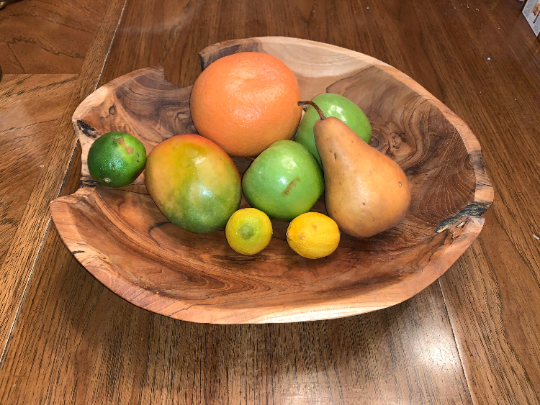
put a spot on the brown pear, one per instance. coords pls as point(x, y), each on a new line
point(366, 192)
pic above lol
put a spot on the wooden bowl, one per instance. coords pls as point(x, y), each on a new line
point(122, 238)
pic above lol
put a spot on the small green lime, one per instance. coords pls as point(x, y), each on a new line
point(116, 159)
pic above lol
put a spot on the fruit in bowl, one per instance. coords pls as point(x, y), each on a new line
point(332, 105)
point(198, 278)
point(248, 231)
point(116, 159)
point(366, 191)
point(245, 102)
point(284, 181)
point(313, 235)
point(194, 183)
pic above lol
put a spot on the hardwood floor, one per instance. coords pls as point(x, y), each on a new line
point(469, 338)
point(103, 349)
point(26, 132)
point(171, 34)
point(23, 245)
point(47, 37)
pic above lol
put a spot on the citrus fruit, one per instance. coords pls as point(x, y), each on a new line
point(245, 102)
point(313, 235)
point(194, 183)
point(116, 159)
point(248, 231)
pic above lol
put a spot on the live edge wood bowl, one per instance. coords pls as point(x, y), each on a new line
point(121, 237)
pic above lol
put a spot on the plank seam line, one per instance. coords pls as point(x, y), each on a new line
point(111, 45)
point(24, 293)
point(38, 253)
point(473, 398)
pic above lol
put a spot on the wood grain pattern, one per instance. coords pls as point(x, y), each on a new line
point(502, 336)
point(76, 342)
point(199, 278)
point(42, 37)
point(32, 106)
point(142, 103)
point(20, 257)
point(485, 299)
point(391, 103)
point(26, 132)
point(506, 331)
point(96, 347)
point(170, 33)
point(7, 2)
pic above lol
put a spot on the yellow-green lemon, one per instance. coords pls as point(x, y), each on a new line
point(248, 231)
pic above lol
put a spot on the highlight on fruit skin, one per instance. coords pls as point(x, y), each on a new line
point(248, 231)
point(246, 101)
point(116, 159)
point(313, 235)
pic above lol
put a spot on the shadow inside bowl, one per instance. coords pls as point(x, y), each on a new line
point(122, 238)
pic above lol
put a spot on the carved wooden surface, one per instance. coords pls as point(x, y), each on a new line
point(142, 103)
point(199, 278)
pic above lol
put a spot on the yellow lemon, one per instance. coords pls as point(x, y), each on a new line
point(248, 231)
point(313, 235)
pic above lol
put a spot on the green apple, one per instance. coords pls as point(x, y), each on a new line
point(284, 181)
point(332, 105)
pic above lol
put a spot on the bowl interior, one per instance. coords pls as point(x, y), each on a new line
point(124, 240)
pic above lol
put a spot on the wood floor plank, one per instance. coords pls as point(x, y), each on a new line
point(493, 326)
point(19, 259)
point(171, 33)
point(496, 336)
point(48, 37)
point(31, 107)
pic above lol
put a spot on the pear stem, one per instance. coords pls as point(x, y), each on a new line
point(311, 103)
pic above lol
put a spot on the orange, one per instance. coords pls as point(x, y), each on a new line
point(245, 102)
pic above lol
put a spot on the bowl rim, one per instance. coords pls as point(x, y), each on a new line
point(462, 229)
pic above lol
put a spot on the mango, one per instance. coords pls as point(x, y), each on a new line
point(194, 183)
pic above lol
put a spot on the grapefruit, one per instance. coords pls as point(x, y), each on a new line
point(244, 102)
